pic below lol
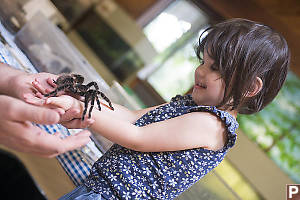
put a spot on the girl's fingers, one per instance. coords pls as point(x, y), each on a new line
point(39, 100)
point(64, 101)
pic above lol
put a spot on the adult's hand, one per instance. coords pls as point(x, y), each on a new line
point(23, 88)
point(17, 131)
point(18, 84)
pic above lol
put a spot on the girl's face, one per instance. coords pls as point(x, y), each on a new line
point(209, 86)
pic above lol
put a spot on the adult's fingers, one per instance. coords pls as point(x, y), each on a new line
point(76, 141)
point(16, 110)
point(43, 82)
point(34, 99)
point(51, 83)
point(41, 143)
point(39, 100)
point(52, 145)
point(37, 85)
point(40, 115)
point(21, 136)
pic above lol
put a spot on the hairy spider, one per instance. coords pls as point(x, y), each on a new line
point(73, 83)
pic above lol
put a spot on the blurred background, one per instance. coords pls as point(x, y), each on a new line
point(142, 53)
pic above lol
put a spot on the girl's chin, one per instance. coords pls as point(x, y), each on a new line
point(196, 99)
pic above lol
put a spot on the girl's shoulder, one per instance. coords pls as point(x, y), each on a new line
point(229, 121)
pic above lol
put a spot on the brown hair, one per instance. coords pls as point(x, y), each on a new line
point(243, 50)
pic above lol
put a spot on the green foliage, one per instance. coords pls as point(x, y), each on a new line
point(276, 129)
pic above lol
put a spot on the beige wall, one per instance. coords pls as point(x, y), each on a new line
point(263, 174)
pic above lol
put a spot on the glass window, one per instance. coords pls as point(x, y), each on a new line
point(174, 34)
point(169, 26)
point(176, 74)
point(161, 35)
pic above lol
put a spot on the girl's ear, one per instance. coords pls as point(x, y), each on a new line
point(256, 87)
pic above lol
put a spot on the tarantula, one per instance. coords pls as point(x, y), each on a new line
point(73, 83)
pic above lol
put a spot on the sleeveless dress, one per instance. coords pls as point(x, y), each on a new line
point(123, 173)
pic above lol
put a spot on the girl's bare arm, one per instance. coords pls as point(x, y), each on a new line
point(189, 131)
point(126, 114)
point(193, 130)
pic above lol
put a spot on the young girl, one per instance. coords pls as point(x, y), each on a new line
point(161, 151)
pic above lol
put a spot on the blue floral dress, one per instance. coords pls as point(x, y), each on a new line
point(126, 174)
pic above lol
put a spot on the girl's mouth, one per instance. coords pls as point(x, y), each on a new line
point(201, 85)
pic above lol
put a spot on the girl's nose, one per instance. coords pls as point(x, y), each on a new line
point(200, 70)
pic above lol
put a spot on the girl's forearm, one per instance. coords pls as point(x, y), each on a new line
point(116, 130)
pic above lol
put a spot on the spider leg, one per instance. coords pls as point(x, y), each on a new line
point(51, 94)
point(54, 93)
point(93, 83)
point(92, 102)
point(86, 104)
point(98, 103)
point(106, 99)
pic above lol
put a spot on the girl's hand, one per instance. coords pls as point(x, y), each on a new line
point(73, 111)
